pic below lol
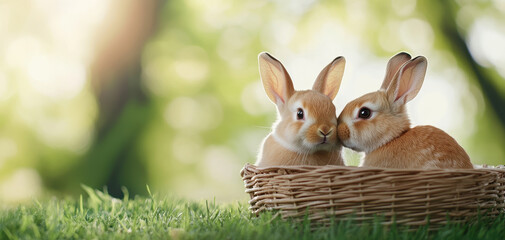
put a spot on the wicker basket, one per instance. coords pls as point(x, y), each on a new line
point(405, 196)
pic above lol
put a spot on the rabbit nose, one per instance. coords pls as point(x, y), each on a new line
point(325, 131)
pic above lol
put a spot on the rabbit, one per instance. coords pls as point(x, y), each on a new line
point(305, 132)
point(377, 124)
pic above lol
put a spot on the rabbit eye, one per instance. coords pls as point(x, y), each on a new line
point(299, 114)
point(364, 113)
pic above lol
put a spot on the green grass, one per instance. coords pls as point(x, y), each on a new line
point(100, 216)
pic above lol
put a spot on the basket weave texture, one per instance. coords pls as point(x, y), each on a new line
point(405, 196)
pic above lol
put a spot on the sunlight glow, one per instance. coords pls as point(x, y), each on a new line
point(220, 164)
point(214, 13)
point(193, 115)
point(388, 38)
point(486, 39)
point(6, 89)
point(436, 104)
point(200, 86)
point(8, 149)
point(500, 5)
point(417, 35)
point(254, 99)
point(231, 44)
point(19, 49)
point(22, 185)
point(191, 65)
point(56, 77)
point(403, 7)
point(47, 54)
point(186, 148)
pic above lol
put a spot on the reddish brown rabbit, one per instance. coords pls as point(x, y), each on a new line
point(306, 130)
point(377, 124)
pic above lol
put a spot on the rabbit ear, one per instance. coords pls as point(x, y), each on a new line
point(408, 81)
point(275, 78)
point(394, 65)
point(328, 81)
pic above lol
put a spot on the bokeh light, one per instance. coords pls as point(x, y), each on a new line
point(168, 94)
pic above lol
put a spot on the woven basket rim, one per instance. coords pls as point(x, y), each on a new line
point(249, 166)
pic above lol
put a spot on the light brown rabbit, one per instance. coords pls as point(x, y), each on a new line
point(306, 130)
point(377, 124)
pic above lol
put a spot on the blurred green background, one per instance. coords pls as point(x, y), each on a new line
point(124, 93)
